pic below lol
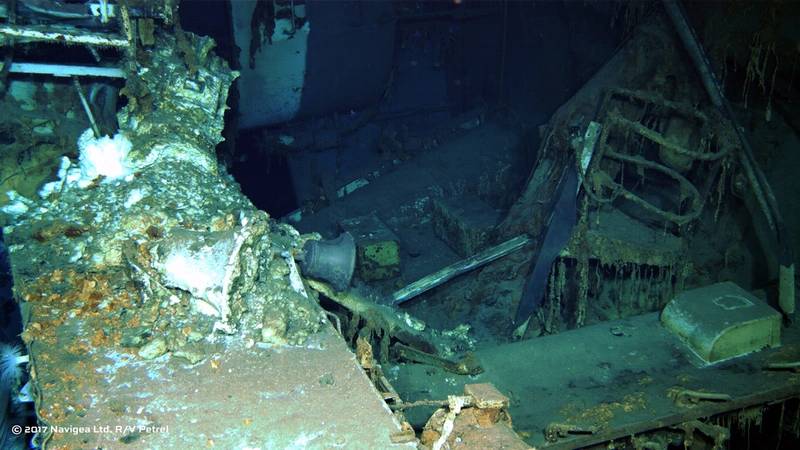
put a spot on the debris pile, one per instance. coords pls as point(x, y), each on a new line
point(144, 246)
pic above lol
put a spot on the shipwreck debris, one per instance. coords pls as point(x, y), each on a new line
point(144, 250)
point(477, 419)
point(760, 187)
point(689, 398)
point(441, 276)
point(467, 365)
point(555, 431)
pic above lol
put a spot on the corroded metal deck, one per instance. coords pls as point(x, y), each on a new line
point(613, 377)
point(291, 397)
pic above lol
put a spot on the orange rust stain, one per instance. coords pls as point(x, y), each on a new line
point(99, 338)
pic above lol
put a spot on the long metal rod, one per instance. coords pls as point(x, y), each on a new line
point(86, 107)
point(453, 270)
point(62, 35)
point(689, 40)
point(62, 70)
point(758, 182)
